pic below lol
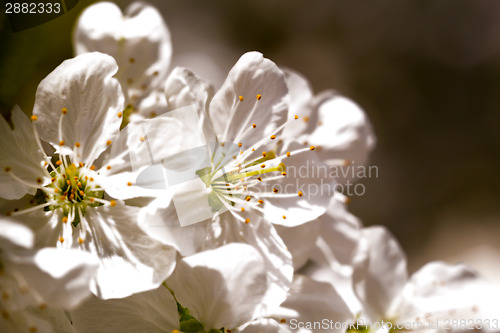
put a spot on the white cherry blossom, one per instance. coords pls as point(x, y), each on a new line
point(137, 39)
point(78, 110)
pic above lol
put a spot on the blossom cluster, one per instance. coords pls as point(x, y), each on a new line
point(140, 198)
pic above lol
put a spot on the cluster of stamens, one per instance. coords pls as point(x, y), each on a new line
point(68, 187)
point(237, 185)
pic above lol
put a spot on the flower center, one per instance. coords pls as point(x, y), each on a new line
point(73, 189)
point(232, 182)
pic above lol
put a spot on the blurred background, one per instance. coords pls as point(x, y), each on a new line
point(427, 72)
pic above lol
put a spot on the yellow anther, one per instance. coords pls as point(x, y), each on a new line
point(108, 142)
point(253, 149)
point(7, 169)
point(247, 221)
point(312, 147)
point(175, 331)
point(263, 166)
point(284, 217)
point(253, 125)
point(92, 167)
point(275, 190)
point(33, 118)
point(59, 162)
point(283, 173)
point(78, 184)
point(305, 119)
point(108, 167)
point(80, 240)
point(241, 98)
point(259, 96)
point(56, 190)
point(247, 198)
point(240, 144)
point(77, 144)
point(264, 153)
point(129, 184)
point(222, 144)
point(91, 200)
point(296, 117)
point(112, 203)
point(273, 137)
point(142, 139)
point(61, 239)
point(64, 110)
point(81, 164)
point(260, 179)
point(82, 193)
point(65, 219)
point(242, 209)
point(300, 193)
point(283, 321)
point(91, 179)
point(288, 154)
point(61, 143)
point(119, 114)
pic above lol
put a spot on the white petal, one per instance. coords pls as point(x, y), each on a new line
point(48, 320)
point(130, 261)
point(343, 131)
point(264, 325)
point(143, 145)
point(139, 41)
point(304, 173)
point(301, 104)
point(263, 237)
point(93, 98)
point(221, 287)
point(184, 88)
point(154, 104)
point(443, 291)
point(252, 75)
point(150, 311)
point(19, 152)
point(61, 276)
point(341, 230)
point(380, 272)
point(314, 301)
point(45, 225)
point(160, 220)
point(299, 240)
point(15, 234)
point(331, 256)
